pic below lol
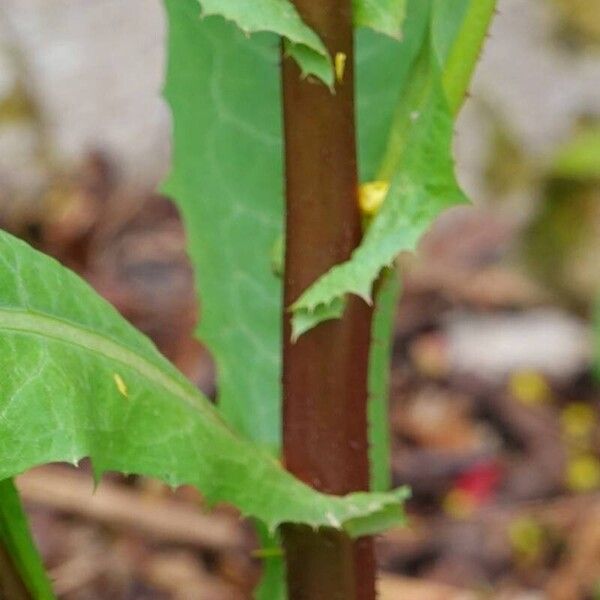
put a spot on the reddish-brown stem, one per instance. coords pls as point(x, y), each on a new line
point(325, 371)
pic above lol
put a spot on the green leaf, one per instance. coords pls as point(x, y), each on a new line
point(79, 381)
point(384, 16)
point(15, 537)
point(227, 178)
point(383, 68)
point(280, 17)
point(446, 20)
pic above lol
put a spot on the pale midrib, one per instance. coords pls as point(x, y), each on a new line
point(46, 326)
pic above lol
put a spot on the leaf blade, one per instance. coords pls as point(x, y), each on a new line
point(60, 386)
point(227, 179)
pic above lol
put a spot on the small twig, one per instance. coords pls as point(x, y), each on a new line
point(167, 519)
point(392, 587)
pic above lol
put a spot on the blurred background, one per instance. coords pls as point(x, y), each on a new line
point(495, 409)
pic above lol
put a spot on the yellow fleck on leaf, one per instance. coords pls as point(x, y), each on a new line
point(121, 386)
point(340, 66)
point(529, 387)
point(578, 420)
point(583, 473)
point(371, 196)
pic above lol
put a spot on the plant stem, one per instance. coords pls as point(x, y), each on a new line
point(325, 371)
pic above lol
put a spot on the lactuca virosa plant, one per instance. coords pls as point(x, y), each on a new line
point(312, 144)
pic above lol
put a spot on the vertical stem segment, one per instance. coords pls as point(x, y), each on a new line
point(325, 371)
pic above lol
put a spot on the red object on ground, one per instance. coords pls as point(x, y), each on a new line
point(480, 481)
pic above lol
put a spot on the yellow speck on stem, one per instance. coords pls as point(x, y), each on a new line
point(121, 386)
point(340, 66)
point(371, 196)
